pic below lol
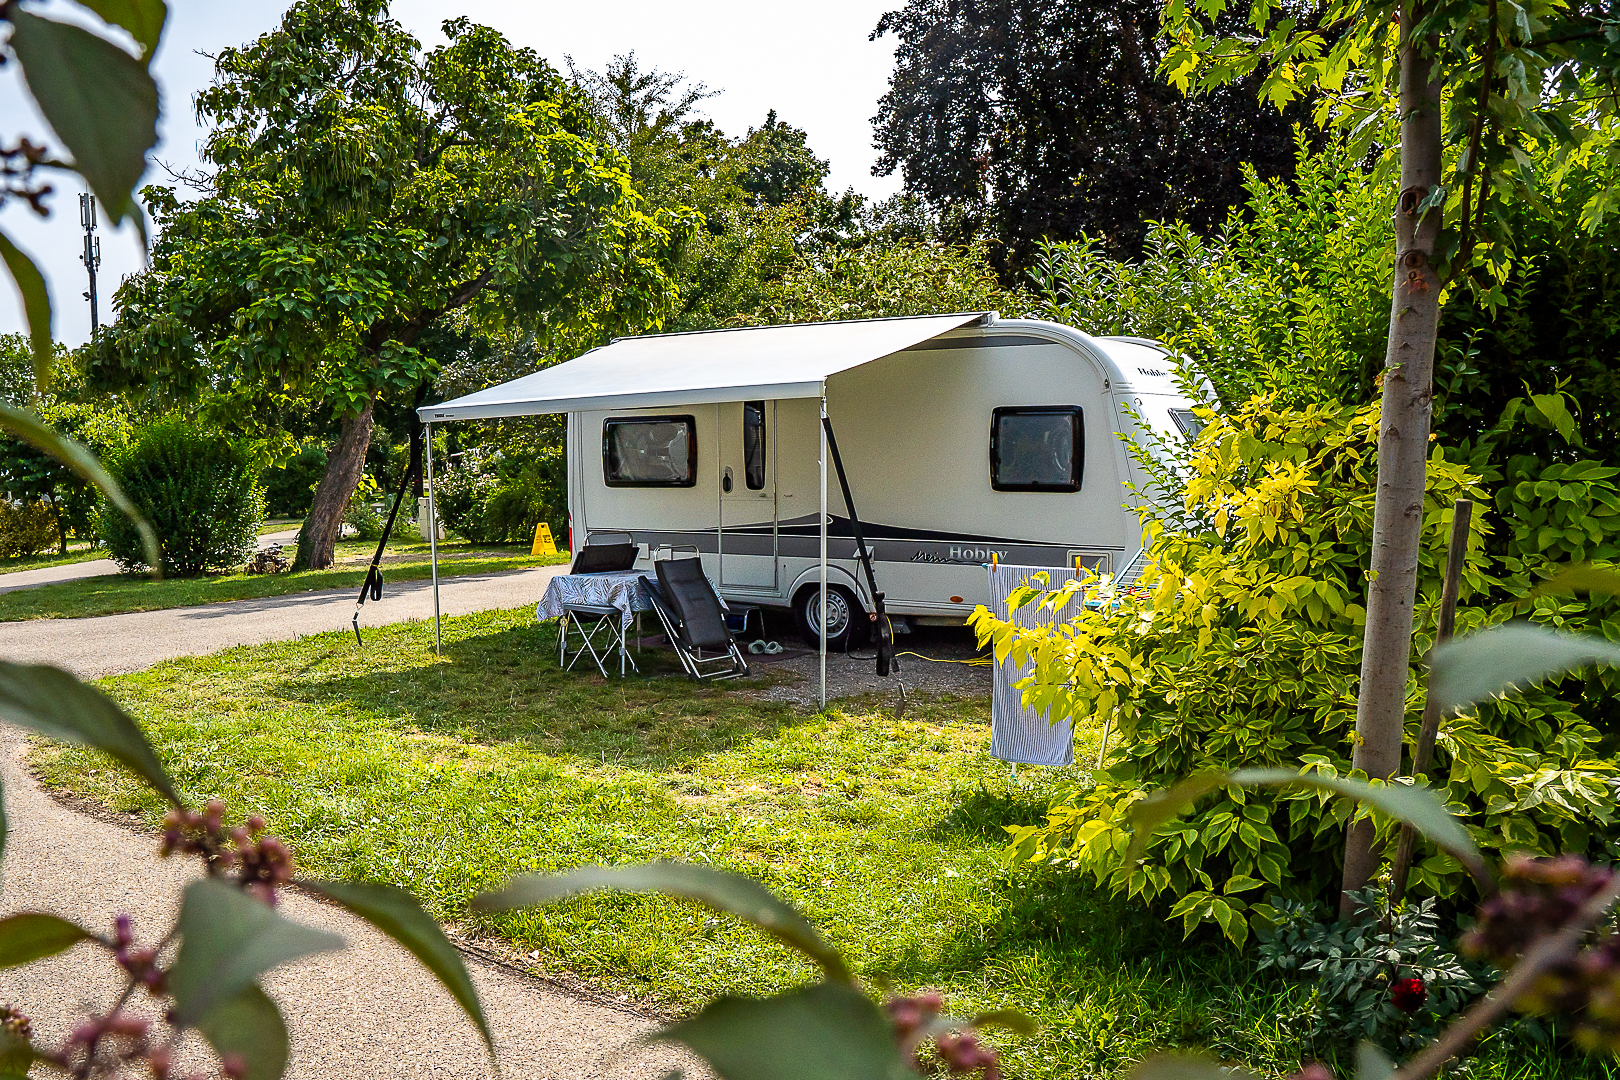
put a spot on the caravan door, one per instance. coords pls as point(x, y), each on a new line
point(748, 494)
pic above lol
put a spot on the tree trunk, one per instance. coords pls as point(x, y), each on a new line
point(1403, 445)
point(317, 539)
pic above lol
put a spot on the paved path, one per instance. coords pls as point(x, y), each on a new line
point(51, 575)
point(367, 1013)
point(114, 644)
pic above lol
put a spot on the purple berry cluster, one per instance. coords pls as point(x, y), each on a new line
point(916, 1018)
point(1538, 897)
point(15, 1023)
point(261, 862)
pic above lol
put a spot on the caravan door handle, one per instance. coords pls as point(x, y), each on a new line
point(725, 481)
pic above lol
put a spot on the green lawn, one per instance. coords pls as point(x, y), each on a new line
point(113, 594)
point(449, 774)
point(77, 553)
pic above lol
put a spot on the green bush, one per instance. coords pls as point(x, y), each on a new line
point(27, 528)
point(198, 490)
point(502, 498)
point(367, 520)
point(1243, 648)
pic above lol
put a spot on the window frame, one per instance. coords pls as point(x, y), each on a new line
point(1077, 416)
point(764, 446)
point(691, 451)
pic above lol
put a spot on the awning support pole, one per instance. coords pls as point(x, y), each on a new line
point(823, 545)
point(433, 536)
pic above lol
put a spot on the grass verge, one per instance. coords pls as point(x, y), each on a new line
point(77, 553)
point(447, 775)
point(113, 594)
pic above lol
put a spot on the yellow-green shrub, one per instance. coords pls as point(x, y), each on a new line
point(1242, 648)
point(27, 528)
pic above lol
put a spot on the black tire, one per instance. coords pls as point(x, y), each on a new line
point(850, 631)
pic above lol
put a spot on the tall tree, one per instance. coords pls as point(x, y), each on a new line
point(1490, 81)
point(1035, 119)
point(357, 191)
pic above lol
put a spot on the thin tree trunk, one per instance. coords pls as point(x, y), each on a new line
point(317, 539)
point(1403, 445)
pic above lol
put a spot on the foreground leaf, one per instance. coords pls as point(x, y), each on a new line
point(36, 302)
point(51, 702)
point(34, 935)
point(99, 100)
point(143, 19)
point(1188, 1067)
point(723, 891)
point(1582, 577)
point(228, 939)
point(398, 914)
point(17, 1056)
point(829, 1031)
point(1372, 1063)
point(1417, 806)
point(249, 1026)
point(36, 432)
point(1478, 667)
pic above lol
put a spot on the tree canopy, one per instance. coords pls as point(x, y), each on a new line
point(1030, 120)
point(357, 191)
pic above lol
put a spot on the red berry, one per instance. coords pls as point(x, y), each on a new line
point(1408, 995)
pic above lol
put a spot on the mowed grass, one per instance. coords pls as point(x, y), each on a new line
point(77, 552)
point(113, 594)
point(448, 775)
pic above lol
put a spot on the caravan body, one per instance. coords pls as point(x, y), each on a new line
point(997, 439)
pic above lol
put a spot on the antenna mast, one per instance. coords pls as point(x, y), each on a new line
point(91, 256)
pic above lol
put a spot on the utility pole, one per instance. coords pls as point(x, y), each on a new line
point(91, 257)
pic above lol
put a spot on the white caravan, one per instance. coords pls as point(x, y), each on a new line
point(963, 437)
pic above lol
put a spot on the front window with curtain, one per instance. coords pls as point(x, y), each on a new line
point(754, 444)
point(649, 451)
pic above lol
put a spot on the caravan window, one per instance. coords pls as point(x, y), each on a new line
point(649, 451)
point(1187, 421)
point(1037, 448)
point(754, 444)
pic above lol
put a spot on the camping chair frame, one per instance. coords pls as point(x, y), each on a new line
point(720, 664)
point(598, 626)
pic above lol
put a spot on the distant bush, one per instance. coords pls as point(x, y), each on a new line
point(198, 490)
point(501, 499)
point(27, 528)
point(289, 488)
point(367, 521)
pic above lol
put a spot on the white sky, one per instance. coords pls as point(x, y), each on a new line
point(812, 63)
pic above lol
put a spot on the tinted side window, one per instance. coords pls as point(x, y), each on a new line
point(649, 451)
point(754, 444)
point(1037, 448)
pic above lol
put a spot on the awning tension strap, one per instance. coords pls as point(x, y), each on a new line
point(885, 658)
point(372, 586)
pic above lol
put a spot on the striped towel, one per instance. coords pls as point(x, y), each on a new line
point(1017, 733)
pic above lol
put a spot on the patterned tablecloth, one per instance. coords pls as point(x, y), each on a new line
point(625, 590)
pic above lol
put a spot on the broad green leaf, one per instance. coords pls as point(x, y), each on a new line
point(829, 1031)
point(1477, 667)
point(16, 1057)
point(37, 433)
point(227, 940)
point(1187, 1067)
point(1417, 806)
point(36, 301)
point(718, 889)
point(397, 913)
point(1148, 815)
point(51, 702)
point(143, 19)
point(1372, 1063)
point(1582, 577)
point(33, 935)
point(248, 1026)
point(100, 101)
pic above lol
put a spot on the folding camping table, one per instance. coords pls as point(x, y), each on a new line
point(602, 608)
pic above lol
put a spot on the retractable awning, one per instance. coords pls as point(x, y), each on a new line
point(658, 370)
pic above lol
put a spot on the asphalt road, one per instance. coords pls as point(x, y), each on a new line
point(115, 644)
point(369, 1012)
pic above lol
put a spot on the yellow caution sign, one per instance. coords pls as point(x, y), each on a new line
point(543, 543)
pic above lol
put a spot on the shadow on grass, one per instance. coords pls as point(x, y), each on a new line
point(506, 687)
point(985, 813)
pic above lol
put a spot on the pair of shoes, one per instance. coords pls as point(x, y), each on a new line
point(770, 648)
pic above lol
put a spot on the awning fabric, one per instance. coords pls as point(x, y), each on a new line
point(658, 370)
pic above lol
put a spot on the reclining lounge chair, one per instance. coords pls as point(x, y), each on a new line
point(694, 620)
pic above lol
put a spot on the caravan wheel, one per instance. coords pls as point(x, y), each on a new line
point(847, 624)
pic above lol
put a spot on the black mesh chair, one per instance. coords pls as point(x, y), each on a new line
point(695, 621)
